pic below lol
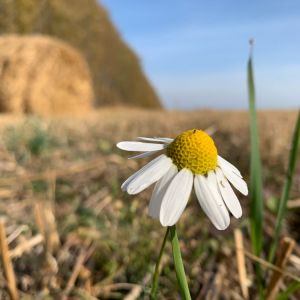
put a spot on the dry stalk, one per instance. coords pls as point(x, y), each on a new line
point(85, 274)
point(295, 260)
point(39, 218)
point(6, 193)
point(293, 203)
point(218, 282)
point(286, 247)
point(46, 224)
point(16, 233)
point(26, 246)
point(117, 286)
point(137, 289)
point(106, 201)
point(104, 289)
point(84, 255)
point(241, 265)
point(268, 265)
point(135, 293)
point(7, 264)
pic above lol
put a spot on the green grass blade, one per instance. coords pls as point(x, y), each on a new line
point(153, 294)
point(179, 268)
point(286, 188)
point(255, 191)
point(290, 290)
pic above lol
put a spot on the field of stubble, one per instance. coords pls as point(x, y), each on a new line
point(72, 233)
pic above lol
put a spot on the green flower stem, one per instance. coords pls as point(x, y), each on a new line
point(153, 294)
point(179, 268)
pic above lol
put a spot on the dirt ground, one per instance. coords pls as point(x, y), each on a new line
point(71, 232)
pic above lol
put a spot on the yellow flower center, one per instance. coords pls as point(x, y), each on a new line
point(194, 150)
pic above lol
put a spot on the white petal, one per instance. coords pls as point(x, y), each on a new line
point(159, 191)
point(142, 155)
point(156, 139)
point(226, 164)
point(129, 179)
point(167, 140)
point(176, 197)
point(211, 202)
point(149, 174)
point(228, 195)
point(139, 146)
point(214, 190)
point(235, 180)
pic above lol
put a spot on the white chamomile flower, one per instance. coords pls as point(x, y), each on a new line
point(191, 159)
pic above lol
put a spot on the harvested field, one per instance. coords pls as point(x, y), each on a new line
point(72, 233)
point(44, 76)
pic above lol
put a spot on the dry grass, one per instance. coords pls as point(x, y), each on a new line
point(72, 234)
point(42, 75)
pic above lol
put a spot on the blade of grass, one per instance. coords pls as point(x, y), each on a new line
point(255, 190)
point(286, 188)
point(256, 213)
point(179, 268)
point(295, 285)
point(153, 294)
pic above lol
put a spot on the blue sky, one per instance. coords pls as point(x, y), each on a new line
point(195, 52)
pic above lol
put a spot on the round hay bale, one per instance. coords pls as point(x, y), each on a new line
point(44, 76)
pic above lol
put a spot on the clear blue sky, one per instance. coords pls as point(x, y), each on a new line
point(195, 52)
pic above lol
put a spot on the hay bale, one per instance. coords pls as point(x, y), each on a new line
point(117, 72)
point(42, 75)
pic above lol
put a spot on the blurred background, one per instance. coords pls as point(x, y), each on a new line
point(195, 51)
point(179, 55)
point(78, 76)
